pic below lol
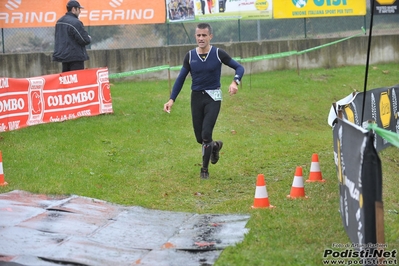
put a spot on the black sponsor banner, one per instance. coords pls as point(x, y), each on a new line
point(360, 181)
point(386, 7)
point(381, 106)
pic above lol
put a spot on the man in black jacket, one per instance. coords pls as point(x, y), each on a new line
point(71, 39)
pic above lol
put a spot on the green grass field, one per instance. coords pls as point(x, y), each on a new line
point(143, 156)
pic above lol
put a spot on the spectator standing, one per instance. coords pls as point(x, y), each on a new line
point(71, 39)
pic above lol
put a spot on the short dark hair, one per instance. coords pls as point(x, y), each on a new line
point(205, 26)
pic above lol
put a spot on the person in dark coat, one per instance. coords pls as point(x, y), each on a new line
point(71, 39)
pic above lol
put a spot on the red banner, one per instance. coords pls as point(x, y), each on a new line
point(53, 98)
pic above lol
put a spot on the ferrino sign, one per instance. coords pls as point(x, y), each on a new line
point(27, 14)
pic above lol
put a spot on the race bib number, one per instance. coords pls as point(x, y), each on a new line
point(216, 95)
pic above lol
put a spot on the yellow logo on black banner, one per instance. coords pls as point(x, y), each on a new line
point(386, 2)
point(349, 114)
point(385, 110)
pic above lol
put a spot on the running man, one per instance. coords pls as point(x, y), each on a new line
point(205, 65)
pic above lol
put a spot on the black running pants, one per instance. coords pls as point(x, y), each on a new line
point(204, 111)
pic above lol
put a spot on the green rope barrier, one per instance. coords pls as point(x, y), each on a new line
point(389, 136)
point(245, 60)
point(331, 43)
point(269, 56)
point(137, 72)
point(175, 68)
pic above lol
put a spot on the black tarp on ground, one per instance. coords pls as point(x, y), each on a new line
point(72, 230)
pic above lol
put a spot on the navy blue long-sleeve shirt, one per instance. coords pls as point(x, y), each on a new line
point(205, 70)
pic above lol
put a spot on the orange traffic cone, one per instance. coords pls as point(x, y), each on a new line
point(2, 182)
point(297, 189)
point(261, 198)
point(315, 173)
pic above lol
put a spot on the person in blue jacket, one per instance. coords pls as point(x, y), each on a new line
point(204, 63)
point(71, 39)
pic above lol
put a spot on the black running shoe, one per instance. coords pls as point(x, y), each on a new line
point(215, 152)
point(204, 173)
